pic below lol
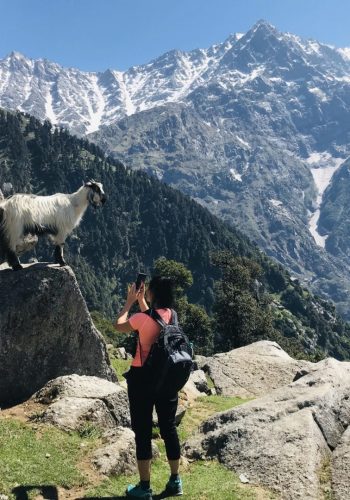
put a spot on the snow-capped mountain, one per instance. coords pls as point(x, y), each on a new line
point(256, 128)
point(84, 101)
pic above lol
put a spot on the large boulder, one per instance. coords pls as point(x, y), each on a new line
point(75, 402)
point(45, 331)
point(252, 370)
point(282, 440)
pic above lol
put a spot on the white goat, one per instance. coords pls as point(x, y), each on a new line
point(55, 215)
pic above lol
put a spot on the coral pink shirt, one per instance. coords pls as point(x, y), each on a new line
point(148, 330)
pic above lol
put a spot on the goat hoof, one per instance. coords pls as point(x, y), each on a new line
point(61, 263)
point(17, 267)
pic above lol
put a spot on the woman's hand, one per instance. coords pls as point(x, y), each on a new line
point(122, 324)
point(132, 294)
point(141, 298)
point(141, 292)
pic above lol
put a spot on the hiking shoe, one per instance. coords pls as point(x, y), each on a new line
point(174, 488)
point(138, 492)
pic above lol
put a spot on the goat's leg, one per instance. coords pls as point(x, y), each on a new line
point(13, 260)
point(59, 255)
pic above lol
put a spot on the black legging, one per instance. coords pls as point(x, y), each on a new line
point(142, 402)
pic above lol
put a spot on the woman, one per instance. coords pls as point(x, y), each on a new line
point(141, 398)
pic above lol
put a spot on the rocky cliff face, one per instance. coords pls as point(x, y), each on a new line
point(45, 331)
point(260, 139)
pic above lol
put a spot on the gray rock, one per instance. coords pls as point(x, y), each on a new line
point(76, 413)
point(341, 468)
point(196, 386)
point(190, 393)
point(118, 455)
point(45, 331)
point(252, 370)
point(199, 380)
point(80, 386)
point(282, 439)
point(199, 361)
point(120, 353)
point(180, 413)
point(75, 401)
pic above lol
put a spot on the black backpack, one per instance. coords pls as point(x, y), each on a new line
point(169, 362)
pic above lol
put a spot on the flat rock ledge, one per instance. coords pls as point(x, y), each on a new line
point(252, 370)
point(45, 331)
point(75, 402)
point(284, 439)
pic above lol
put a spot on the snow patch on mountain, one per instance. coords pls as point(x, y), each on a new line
point(322, 166)
point(245, 143)
point(345, 53)
point(235, 175)
point(95, 104)
point(276, 203)
point(49, 111)
point(319, 93)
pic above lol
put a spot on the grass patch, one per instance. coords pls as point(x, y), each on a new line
point(43, 456)
point(120, 366)
point(89, 431)
point(209, 382)
point(201, 481)
point(32, 454)
point(203, 408)
point(325, 476)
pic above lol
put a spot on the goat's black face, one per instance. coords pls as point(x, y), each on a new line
point(96, 195)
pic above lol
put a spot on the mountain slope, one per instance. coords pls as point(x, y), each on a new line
point(254, 128)
point(142, 220)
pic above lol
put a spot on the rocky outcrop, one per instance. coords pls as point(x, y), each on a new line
point(45, 331)
point(282, 439)
point(77, 401)
point(252, 370)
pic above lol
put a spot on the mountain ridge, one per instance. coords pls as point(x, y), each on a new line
point(113, 94)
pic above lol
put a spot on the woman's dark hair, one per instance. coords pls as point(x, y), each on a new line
point(162, 291)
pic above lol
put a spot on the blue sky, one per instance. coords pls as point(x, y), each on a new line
point(98, 34)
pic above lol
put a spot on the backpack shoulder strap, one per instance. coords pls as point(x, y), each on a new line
point(174, 320)
point(152, 313)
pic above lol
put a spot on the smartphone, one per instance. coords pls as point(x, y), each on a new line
point(141, 278)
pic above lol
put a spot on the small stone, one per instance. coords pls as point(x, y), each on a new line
point(48, 455)
point(243, 478)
